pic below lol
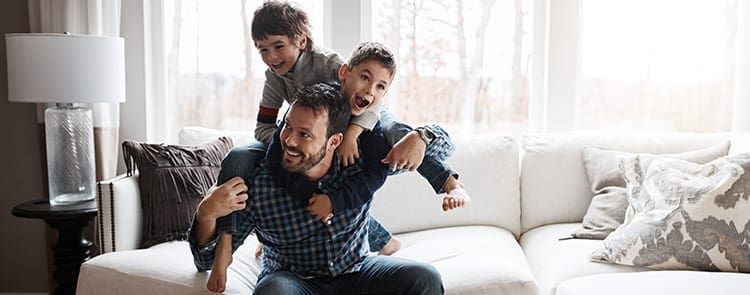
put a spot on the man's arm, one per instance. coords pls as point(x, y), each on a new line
point(220, 201)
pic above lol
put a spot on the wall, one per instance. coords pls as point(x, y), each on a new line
point(24, 248)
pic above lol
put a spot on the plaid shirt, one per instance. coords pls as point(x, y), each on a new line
point(293, 239)
point(359, 189)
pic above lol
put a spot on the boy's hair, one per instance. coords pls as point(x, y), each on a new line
point(322, 96)
point(281, 18)
point(366, 51)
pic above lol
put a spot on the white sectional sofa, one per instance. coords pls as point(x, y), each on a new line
point(528, 193)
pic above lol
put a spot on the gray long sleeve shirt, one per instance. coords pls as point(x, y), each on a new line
point(319, 65)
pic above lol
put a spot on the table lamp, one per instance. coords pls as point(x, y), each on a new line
point(68, 70)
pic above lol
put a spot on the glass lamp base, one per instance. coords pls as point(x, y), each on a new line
point(69, 133)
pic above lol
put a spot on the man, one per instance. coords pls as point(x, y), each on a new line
point(301, 253)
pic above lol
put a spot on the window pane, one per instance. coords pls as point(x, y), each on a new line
point(215, 72)
point(664, 65)
point(462, 64)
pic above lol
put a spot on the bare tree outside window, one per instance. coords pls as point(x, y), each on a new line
point(215, 74)
point(463, 64)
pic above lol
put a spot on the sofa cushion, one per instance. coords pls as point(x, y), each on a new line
point(553, 261)
point(165, 268)
point(554, 185)
point(472, 259)
point(172, 179)
point(607, 209)
point(686, 215)
point(488, 167)
point(657, 282)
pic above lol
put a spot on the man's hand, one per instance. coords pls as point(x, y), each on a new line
point(348, 151)
point(407, 153)
point(320, 207)
point(223, 199)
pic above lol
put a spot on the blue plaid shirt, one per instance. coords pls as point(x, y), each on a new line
point(294, 240)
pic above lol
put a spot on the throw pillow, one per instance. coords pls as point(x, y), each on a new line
point(172, 179)
point(608, 205)
point(686, 216)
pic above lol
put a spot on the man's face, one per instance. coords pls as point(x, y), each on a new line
point(364, 85)
point(279, 52)
point(303, 139)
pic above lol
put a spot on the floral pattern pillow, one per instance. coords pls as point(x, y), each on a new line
point(686, 216)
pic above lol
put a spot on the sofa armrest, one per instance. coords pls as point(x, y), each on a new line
point(120, 214)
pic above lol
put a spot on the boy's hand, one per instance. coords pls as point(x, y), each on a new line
point(407, 153)
point(348, 151)
point(224, 199)
point(320, 207)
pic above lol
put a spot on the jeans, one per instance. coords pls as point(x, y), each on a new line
point(241, 161)
point(378, 275)
point(435, 171)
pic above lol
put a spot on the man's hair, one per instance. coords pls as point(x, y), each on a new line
point(325, 97)
point(367, 51)
point(281, 18)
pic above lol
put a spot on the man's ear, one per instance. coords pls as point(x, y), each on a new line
point(334, 141)
point(343, 70)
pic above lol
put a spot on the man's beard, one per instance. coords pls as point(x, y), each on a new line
point(306, 163)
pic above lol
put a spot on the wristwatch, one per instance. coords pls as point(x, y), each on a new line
point(425, 134)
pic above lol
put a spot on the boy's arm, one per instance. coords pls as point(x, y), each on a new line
point(359, 187)
point(349, 150)
point(274, 93)
point(440, 147)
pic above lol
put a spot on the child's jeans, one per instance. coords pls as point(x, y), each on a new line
point(433, 169)
point(241, 161)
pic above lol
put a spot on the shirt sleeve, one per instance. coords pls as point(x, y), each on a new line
point(370, 117)
point(359, 188)
point(441, 146)
point(274, 94)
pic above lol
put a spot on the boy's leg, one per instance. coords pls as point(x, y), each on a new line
point(240, 161)
point(440, 175)
point(380, 239)
point(389, 275)
point(217, 281)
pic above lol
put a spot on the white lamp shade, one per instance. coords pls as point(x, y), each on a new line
point(62, 68)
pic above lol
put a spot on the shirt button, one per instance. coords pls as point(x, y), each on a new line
point(328, 222)
point(330, 263)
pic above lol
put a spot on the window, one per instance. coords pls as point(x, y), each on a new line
point(664, 65)
point(462, 64)
point(215, 74)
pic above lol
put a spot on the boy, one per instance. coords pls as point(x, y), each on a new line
point(282, 36)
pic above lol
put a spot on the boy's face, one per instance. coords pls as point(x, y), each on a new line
point(280, 52)
point(364, 85)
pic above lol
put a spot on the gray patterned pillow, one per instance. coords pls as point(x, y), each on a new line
point(686, 216)
point(608, 205)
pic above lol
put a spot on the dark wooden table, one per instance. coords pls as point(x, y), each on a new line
point(71, 248)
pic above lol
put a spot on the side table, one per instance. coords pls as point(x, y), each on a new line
point(71, 248)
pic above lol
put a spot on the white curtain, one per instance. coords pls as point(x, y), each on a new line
point(87, 17)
